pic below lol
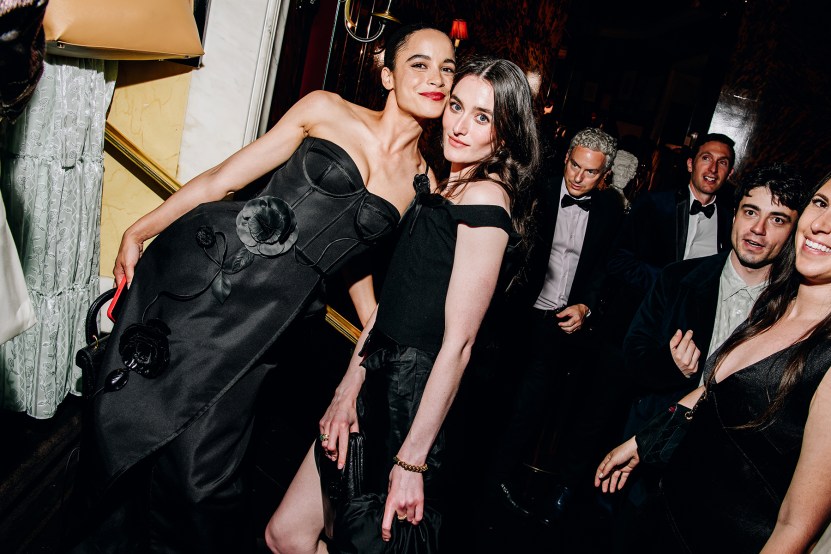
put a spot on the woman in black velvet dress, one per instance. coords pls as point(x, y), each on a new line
point(410, 358)
point(222, 281)
point(752, 473)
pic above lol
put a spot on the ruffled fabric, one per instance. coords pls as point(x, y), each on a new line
point(52, 171)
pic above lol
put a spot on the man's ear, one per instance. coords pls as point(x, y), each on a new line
point(387, 79)
point(689, 165)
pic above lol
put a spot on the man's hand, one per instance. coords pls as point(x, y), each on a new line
point(684, 352)
point(573, 317)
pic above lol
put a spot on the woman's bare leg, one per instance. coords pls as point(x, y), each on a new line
point(296, 525)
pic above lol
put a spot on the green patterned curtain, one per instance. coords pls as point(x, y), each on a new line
point(51, 170)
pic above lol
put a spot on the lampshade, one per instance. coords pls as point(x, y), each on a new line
point(459, 30)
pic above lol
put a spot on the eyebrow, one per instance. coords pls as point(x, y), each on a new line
point(426, 57)
point(478, 108)
point(713, 154)
point(572, 160)
point(783, 215)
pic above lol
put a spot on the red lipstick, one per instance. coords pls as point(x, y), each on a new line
point(435, 96)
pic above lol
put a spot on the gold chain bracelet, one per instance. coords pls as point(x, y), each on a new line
point(409, 467)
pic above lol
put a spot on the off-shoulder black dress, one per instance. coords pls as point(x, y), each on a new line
point(399, 357)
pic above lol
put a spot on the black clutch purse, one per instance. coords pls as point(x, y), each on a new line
point(659, 438)
point(340, 485)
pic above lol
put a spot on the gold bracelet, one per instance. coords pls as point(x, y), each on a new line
point(409, 467)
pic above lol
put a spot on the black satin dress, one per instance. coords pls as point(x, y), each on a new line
point(225, 281)
point(723, 487)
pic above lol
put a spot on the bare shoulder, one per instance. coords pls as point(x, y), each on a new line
point(321, 104)
point(823, 393)
point(485, 192)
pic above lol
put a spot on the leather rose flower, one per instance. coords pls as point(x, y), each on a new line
point(267, 226)
point(144, 349)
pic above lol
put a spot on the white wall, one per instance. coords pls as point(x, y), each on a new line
point(227, 94)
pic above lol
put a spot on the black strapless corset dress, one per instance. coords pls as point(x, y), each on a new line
point(225, 280)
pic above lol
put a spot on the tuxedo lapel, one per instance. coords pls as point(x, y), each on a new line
point(598, 220)
point(682, 222)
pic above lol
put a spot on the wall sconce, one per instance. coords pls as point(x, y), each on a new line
point(458, 32)
point(351, 26)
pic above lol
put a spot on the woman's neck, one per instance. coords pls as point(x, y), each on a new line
point(396, 129)
point(812, 303)
point(458, 172)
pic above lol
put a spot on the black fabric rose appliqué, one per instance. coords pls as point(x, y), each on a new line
point(267, 226)
point(144, 349)
point(421, 184)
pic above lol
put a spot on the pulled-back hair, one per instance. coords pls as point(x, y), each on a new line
point(398, 39)
point(516, 152)
point(770, 307)
point(782, 180)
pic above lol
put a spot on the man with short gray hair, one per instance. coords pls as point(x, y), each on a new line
point(577, 220)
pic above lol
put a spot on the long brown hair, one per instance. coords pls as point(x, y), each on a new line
point(771, 306)
point(516, 157)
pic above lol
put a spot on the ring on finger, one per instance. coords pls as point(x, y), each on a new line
point(401, 517)
point(323, 437)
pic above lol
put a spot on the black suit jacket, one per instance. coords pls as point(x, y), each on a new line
point(605, 218)
point(653, 235)
point(685, 296)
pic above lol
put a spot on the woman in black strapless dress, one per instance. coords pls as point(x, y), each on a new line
point(752, 472)
point(449, 256)
point(222, 281)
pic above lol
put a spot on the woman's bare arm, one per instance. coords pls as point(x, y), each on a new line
point(241, 168)
point(806, 509)
point(476, 264)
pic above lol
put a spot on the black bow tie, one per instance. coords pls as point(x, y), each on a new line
point(707, 210)
point(584, 202)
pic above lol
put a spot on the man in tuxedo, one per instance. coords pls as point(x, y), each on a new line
point(576, 225)
point(672, 225)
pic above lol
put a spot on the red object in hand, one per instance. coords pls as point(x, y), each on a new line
point(110, 311)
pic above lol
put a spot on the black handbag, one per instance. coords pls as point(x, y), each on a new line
point(659, 438)
point(90, 357)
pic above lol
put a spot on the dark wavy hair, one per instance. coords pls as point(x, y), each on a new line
point(516, 154)
point(784, 182)
point(770, 307)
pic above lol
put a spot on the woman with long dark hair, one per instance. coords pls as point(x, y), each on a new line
point(411, 356)
point(223, 280)
point(751, 473)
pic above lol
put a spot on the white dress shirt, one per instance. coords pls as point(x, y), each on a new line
point(569, 234)
point(702, 232)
